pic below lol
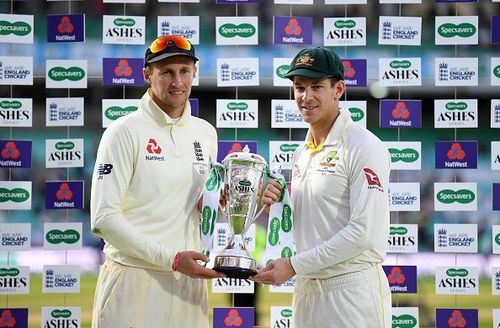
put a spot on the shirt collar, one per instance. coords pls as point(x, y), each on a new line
point(159, 115)
point(333, 136)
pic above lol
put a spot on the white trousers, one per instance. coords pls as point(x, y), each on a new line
point(129, 297)
point(359, 299)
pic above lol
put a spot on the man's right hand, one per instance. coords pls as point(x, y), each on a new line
point(272, 193)
point(188, 265)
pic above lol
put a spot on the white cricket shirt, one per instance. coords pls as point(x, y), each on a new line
point(148, 176)
point(341, 205)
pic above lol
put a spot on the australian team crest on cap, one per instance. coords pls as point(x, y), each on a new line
point(305, 60)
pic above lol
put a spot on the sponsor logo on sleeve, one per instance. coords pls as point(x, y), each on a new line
point(372, 179)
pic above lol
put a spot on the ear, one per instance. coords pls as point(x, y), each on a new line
point(195, 71)
point(339, 89)
point(146, 72)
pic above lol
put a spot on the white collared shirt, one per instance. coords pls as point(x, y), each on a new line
point(144, 206)
point(340, 199)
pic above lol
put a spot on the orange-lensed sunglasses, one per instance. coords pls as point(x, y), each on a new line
point(165, 41)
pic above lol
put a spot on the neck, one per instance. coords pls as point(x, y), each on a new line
point(319, 130)
point(170, 111)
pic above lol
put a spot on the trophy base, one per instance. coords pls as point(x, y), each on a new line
point(235, 272)
point(240, 267)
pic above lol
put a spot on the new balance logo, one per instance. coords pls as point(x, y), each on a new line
point(104, 169)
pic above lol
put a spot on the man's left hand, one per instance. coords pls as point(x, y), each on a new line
point(276, 273)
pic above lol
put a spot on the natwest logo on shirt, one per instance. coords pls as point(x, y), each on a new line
point(154, 149)
point(372, 179)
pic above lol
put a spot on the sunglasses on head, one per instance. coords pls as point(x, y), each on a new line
point(165, 41)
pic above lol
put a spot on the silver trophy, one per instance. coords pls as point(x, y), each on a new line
point(243, 180)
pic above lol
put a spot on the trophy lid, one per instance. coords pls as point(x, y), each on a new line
point(244, 155)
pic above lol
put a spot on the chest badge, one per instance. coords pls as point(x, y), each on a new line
point(330, 159)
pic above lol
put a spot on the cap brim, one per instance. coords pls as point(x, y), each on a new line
point(306, 73)
point(170, 54)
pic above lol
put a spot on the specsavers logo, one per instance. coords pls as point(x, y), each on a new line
point(400, 64)
point(56, 236)
point(17, 195)
point(406, 155)
point(10, 272)
point(72, 73)
point(357, 114)
point(449, 30)
point(6, 104)
point(61, 314)
point(237, 106)
point(345, 24)
point(451, 106)
point(398, 231)
point(244, 30)
point(404, 321)
point(16, 28)
point(496, 71)
point(115, 112)
point(462, 196)
point(282, 70)
point(457, 272)
point(127, 22)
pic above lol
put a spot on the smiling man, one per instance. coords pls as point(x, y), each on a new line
point(149, 174)
point(341, 210)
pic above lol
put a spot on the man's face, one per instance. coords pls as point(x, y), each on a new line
point(317, 99)
point(171, 80)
